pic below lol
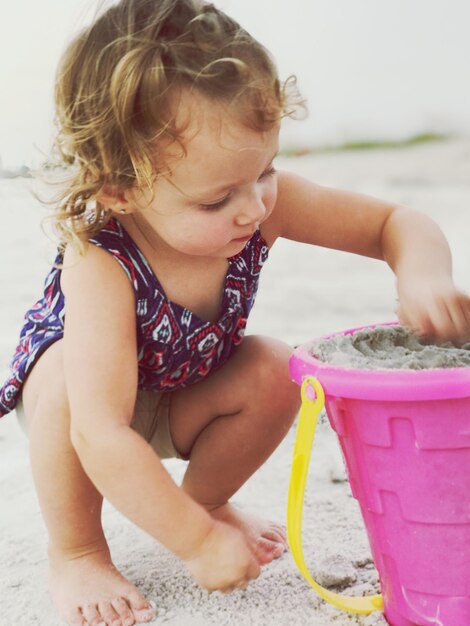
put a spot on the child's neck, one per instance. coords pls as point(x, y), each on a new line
point(195, 282)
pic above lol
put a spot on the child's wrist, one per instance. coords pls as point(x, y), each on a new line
point(194, 544)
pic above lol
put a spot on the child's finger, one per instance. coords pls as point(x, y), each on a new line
point(441, 321)
point(460, 314)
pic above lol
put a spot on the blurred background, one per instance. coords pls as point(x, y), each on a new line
point(372, 70)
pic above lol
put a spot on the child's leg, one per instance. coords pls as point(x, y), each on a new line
point(229, 425)
point(81, 570)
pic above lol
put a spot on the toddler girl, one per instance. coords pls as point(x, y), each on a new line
point(169, 118)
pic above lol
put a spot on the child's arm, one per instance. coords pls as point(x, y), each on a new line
point(411, 243)
point(100, 360)
point(418, 253)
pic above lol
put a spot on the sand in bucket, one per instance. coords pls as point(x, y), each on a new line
point(401, 409)
point(388, 347)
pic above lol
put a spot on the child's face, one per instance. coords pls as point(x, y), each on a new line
point(220, 191)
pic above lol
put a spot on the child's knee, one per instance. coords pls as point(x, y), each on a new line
point(266, 353)
point(269, 361)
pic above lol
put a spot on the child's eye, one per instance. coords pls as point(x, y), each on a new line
point(269, 172)
point(216, 205)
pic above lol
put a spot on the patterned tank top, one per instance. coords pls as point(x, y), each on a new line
point(175, 347)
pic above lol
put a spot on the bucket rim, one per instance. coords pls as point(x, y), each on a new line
point(379, 384)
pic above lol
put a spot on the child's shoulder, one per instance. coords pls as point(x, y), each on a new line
point(91, 270)
point(293, 191)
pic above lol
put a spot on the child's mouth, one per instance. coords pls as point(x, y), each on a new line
point(242, 239)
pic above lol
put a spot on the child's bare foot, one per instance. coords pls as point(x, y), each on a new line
point(267, 539)
point(87, 590)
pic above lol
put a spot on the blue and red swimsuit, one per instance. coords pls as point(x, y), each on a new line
point(175, 347)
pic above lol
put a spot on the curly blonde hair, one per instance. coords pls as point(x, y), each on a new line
point(114, 89)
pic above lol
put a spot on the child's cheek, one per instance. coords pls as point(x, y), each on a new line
point(270, 198)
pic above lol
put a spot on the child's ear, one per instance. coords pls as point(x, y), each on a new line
point(117, 199)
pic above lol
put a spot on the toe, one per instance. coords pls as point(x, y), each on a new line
point(277, 533)
point(122, 609)
point(279, 550)
point(92, 616)
point(268, 550)
point(108, 614)
point(274, 534)
point(144, 615)
point(75, 618)
point(142, 610)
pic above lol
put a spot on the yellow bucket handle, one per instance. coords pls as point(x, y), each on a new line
point(307, 423)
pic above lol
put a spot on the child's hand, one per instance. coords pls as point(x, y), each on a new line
point(434, 308)
point(224, 561)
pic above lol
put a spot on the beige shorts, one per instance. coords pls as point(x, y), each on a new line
point(151, 420)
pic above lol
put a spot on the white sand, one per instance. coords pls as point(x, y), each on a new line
point(304, 293)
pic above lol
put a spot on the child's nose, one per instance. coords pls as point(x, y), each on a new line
point(252, 210)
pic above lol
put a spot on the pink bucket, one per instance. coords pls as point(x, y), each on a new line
point(405, 437)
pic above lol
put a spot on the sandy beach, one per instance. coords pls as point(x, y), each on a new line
point(304, 293)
